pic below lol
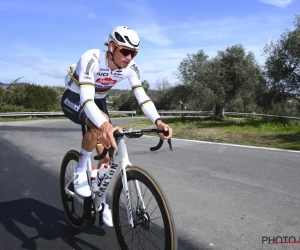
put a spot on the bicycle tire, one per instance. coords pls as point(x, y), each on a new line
point(75, 218)
point(142, 234)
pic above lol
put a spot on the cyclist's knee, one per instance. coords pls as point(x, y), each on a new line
point(105, 160)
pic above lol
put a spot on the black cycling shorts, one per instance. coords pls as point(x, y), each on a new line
point(70, 105)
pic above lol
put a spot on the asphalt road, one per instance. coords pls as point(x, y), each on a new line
point(222, 196)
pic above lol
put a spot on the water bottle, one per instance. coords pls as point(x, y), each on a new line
point(94, 179)
point(102, 171)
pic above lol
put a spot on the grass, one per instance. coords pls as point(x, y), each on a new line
point(28, 118)
point(255, 131)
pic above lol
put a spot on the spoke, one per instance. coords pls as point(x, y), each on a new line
point(139, 239)
point(145, 191)
point(155, 218)
point(126, 231)
point(145, 238)
point(151, 241)
point(160, 238)
point(124, 206)
point(149, 202)
point(132, 238)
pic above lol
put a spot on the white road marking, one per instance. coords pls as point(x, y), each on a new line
point(233, 145)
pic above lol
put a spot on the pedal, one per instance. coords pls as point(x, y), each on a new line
point(101, 215)
point(89, 210)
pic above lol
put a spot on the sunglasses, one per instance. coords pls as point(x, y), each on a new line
point(126, 51)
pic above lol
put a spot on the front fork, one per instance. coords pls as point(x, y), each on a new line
point(128, 200)
point(140, 201)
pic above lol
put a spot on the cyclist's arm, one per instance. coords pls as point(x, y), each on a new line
point(88, 64)
point(144, 101)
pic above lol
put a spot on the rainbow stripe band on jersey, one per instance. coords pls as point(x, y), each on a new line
point(86, 103)
point(137, 87)
point(73, 75)
point(145, 103)
point(86, 84)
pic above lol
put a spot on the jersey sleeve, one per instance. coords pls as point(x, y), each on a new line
point(86, 79)
point(88, 66)
point(144, 101)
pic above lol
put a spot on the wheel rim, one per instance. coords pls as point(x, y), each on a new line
point(73, 208)
point(150, 225)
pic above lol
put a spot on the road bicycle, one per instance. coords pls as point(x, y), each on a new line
point(141, 214)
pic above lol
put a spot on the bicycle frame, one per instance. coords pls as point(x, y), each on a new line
point(123, 162)
point(106, 182)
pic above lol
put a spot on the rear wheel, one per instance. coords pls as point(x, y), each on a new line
point(73, 208)
point(154, 225)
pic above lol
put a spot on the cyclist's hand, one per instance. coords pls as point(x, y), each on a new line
point(106, 136)
point(162, 126)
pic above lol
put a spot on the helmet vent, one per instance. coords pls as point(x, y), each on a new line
point(119, 37)
point(134, 45)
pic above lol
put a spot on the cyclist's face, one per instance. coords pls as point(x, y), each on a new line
point(123, 56)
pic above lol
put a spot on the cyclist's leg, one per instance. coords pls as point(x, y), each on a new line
point(101, 103)
point(106, 215)
point(72, 108)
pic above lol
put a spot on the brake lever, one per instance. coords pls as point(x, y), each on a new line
point(158, 146)
point(166, 133)
point(160, 143)
point(170, 144)
point(102, 155)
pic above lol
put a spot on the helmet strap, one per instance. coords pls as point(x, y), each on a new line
point(112, 58)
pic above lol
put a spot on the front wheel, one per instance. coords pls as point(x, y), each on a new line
point(154, 226)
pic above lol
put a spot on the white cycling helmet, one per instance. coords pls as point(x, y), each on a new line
point(124, 36)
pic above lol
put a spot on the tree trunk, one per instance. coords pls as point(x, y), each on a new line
point(219, 111)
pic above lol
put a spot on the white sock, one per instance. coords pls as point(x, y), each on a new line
point(83, 160)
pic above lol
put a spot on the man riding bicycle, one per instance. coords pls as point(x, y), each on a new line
point(84, 101)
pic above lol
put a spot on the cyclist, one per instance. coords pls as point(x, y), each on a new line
point(84, 101)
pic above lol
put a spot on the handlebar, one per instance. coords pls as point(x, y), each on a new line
point(136, 134)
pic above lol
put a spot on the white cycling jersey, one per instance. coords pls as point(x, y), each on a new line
point(92, 79)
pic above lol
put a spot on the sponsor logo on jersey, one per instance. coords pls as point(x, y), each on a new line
point(88, 66)
point(96, 57)
point(71, 105)
point(102, 74)
point(135, 68)
point(106, 81)
point(118, 75)
point(103, 69)
point(101, 88)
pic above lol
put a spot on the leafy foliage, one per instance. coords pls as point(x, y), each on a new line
point(31, 97)
point(283, 64)
point(217, 81)
point(127, 101)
